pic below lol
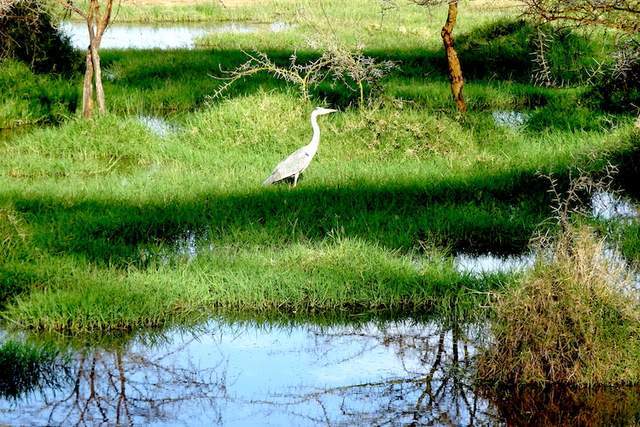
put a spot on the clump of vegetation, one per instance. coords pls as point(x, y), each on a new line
point(617, 83)
point(12, 231)
point(28, 98)
point(524, 51)
point(574, 319)
point(350, 67)
point(28, 33)
point(27, 367)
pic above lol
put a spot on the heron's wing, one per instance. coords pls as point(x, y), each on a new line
point(295, 163)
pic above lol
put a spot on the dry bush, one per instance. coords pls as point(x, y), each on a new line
point(28, 32)
point(623, 15)
point(346, 65)
point(573, 319)
point(616, 84)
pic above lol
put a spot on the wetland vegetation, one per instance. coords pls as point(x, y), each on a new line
point(152, 214)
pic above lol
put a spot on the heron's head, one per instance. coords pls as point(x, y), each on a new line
point(322, 111)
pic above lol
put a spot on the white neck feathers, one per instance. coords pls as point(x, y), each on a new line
point(315, 140)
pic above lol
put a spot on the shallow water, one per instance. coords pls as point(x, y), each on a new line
point(374, 373)
point(606, 205)
point(159, 36)
point(157, 125)
point(510, 119)
point(478, 264)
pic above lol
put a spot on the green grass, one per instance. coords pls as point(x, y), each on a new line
point(105, 208)
point(336, 276)
point(28, 99)
point(98, 214)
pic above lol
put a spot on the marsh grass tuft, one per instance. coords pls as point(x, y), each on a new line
point(12, 231)
point(574, 319)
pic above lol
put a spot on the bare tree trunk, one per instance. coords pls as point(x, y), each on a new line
point(87, 87)
point(96, 25)
point(98, 81)
point(101, 26)
point(455, 70)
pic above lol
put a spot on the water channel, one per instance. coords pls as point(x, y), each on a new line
point(401, 372)
point(155, 36)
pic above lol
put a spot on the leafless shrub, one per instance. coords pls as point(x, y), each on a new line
point(623, 15)
point(356, 70)
point(626, 60)
point(303, 75)
point(541, 73)
point(571, 201)
point(348, 66)
point(616, 83)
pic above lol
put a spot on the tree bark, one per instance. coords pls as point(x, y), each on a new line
point(96, 25)
point(98, 80)
point(455, 69)
point(101, 26)
point(87, 87)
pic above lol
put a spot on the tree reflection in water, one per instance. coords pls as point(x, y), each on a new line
point(126, 385)
point(566, 406)
point(374, 373)
point(436, 386)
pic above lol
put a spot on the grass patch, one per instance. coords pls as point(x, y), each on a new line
point(574, 319)
point(27, 98)
point(339, 276)
point(110, 209)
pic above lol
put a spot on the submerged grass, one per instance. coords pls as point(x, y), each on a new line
point(574, 319)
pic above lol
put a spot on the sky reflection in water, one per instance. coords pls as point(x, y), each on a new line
point(234, 374)
point(392, 373)
point(153, 36)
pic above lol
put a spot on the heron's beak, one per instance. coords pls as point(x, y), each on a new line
point(331, 110)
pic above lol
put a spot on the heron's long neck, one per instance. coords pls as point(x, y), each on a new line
point(315, 140)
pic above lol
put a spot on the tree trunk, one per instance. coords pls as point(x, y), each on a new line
point(96, 25)
point(455, 70)
point(101, 26)
point(87, 87)
point(98, 80)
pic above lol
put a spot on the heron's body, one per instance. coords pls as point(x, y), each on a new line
point(299, 160)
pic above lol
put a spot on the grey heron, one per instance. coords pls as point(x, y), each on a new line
point(300, 159)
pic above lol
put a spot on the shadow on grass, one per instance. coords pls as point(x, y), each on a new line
point(497, 213)
point(182, 79)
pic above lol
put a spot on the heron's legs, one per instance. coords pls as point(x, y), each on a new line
point(295, 179)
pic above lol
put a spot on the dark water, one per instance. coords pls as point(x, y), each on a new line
point(375, 373)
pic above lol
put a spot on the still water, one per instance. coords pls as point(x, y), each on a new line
point(402, 372)
point(155, 36)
